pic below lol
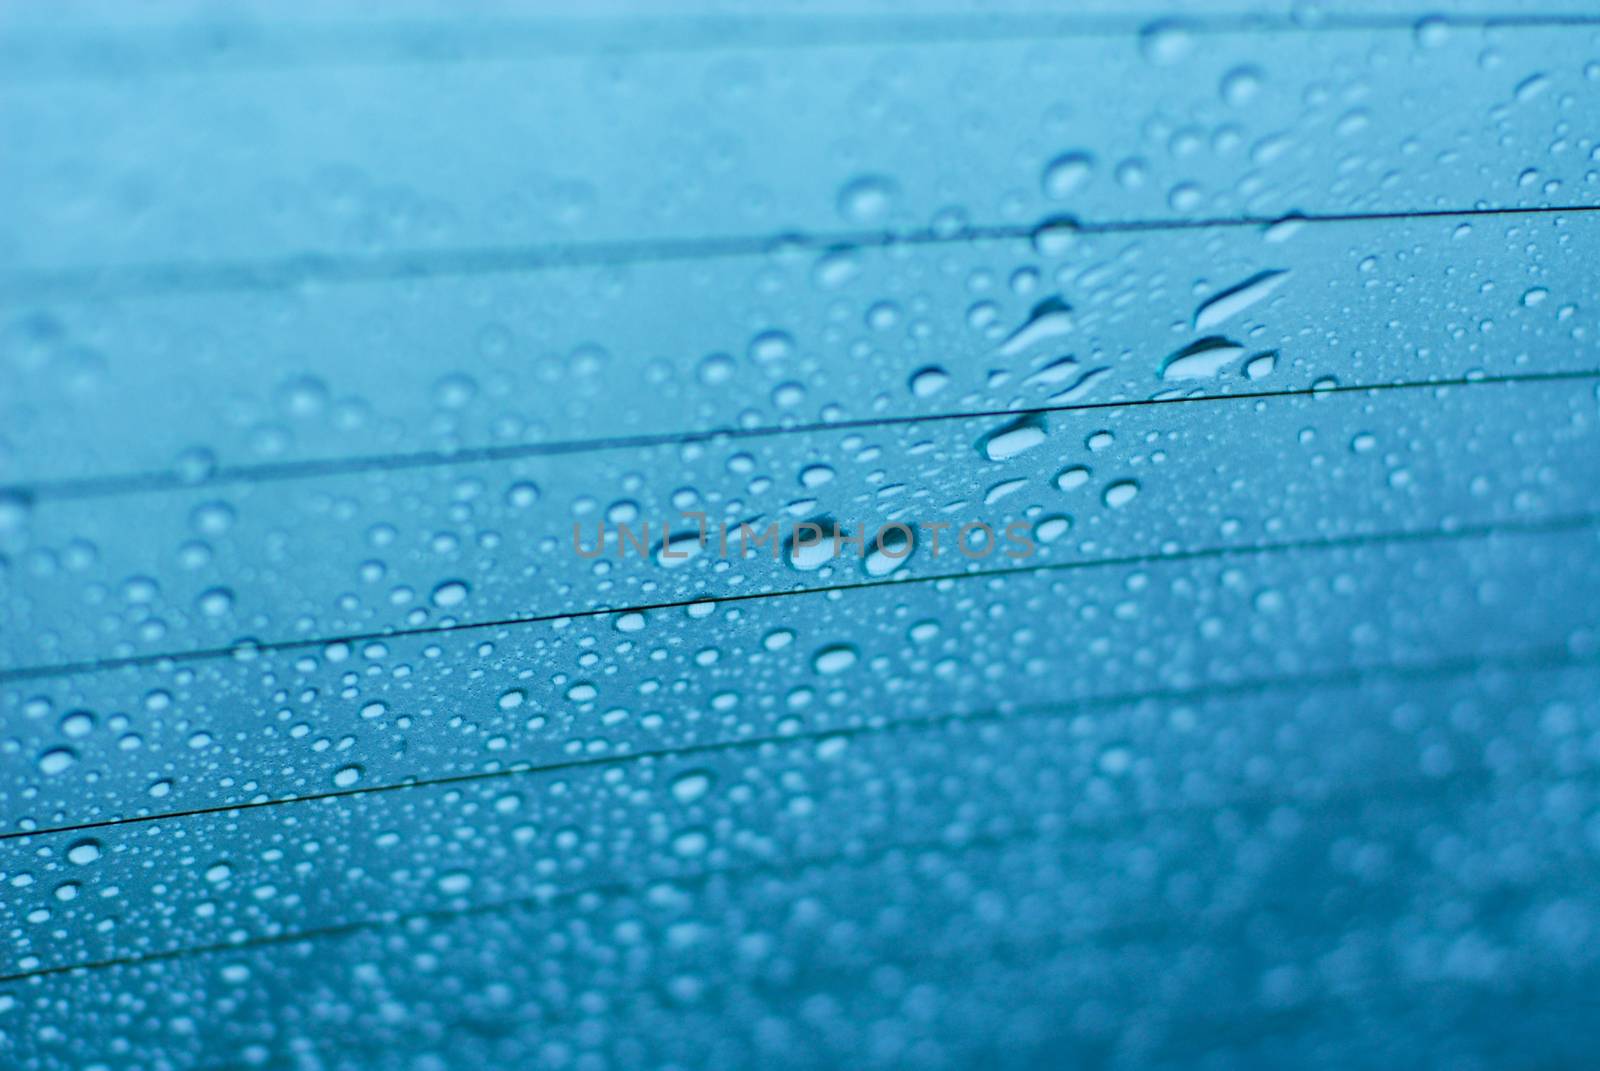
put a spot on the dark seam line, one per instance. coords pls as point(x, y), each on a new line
point(72, 488)
point(1540, 658)
point(1351, 795)
point(508, 39)
point(244, 649)
point(136, 280)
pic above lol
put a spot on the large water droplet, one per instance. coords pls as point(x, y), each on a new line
point(84, 852)
point(1202, 359)
point(834, 659)
point(1236, 299)
point(1121, 493)
point(810, 544)
point(1016, 437)
point(450, 593)
point(691, 786)
point(1051, 318)
point(926, 382)
point(1067, 174)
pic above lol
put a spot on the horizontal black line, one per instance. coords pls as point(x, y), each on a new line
point(241, 649)
point(223, 48)
point(1546, 657)
point(156, 279)
point(317, 468)
point(1350, 795)
point(612, 888)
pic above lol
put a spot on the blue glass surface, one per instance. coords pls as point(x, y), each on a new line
point(370, 699)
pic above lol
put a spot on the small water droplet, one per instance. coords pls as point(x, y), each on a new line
point(867, 199)
point(1240, 85)
point(216, 602)
point(1165, 43)
point(455, 882)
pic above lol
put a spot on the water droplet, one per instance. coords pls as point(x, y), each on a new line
point(1055, 235)
point(455, 882)
point(691, 786)
point(1121, 493)
point(1535, 296)
point(836, 267)
point(1000, 490)
point(215, 602)
point(347, 776)
point(691, 843)
point(1261, 365)
point(1050, 318)
point(810, 544)
point(56, 760)
point(816, 475)
point(1202, 359)
point(867, 199)
point(1067, 174)
point(522, 494)
point(716, 368)
point(14, 510)
point(834, 659)
point(771, 346)
point(680, 548)
point(891, 548)
point(84, 852)
point(1240, 85)
point(1070, 479)
point(450, 593)
point(77, 723)
point(1164, 43)
point(1057, 371)
point(928, 381)
point(1531, 87)
point(1236, 299)
point(1432, 32)
point(1014, 438)
point(1051, 528)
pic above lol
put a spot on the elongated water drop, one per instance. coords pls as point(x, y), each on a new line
point(1202, 359)
point(1051, 318)
point(1234, 300)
